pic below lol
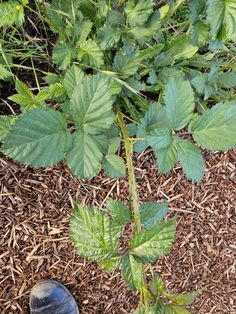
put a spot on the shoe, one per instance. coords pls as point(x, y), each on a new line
point(52, 297)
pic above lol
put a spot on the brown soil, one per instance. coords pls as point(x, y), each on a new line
point(35, 209)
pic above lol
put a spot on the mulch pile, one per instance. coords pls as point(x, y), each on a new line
point(34, 214)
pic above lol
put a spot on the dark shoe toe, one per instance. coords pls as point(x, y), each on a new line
point(51, 297)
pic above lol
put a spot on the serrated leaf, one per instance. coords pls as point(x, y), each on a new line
point(154, 243)
point(73, 77)
point(114, 166)
point(126, 65)
point(159, 138)
point(91, 231)
point(62, 55)
point(151, 212)
point(221, 15)
point(11, 12)
point(90, 53)
point(179, 101)
point(83, 31)
point(132, 271)
point(5, 125)
point(176, 309)
point(4, 73)
point(216, 128)
point(85, 156)
point(181, 48)
point(138, 13)
point(227, 80)
point(91, 105)
point(166, 158)
point(38, 138)
point(191, 160)
point(118, 211)
point(154, 118)
point(184, 299)
point(108, 36)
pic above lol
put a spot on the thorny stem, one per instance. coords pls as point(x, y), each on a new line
point(133, 194)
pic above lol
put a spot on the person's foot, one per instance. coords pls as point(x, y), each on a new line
point(51, 297)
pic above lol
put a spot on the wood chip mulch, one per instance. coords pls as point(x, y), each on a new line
point(34, 215)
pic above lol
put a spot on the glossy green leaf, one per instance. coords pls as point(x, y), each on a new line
point(38, 138)
point(179, 100)
point(91, 105)
point(216, 128)
point(154, 243)
point(151, 212)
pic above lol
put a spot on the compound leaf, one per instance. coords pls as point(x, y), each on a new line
point(191, 160)
point(90, 53)
point(132, 271)
point(179, 100)
point(62, 55)
point(159, 138)
point(154, 243)
point(38, 138)
point(118, 211)
point(91, 105)
point(126, 65)
point(85, 156)
point(151, 212)
point(216, 128)
point(93, 235)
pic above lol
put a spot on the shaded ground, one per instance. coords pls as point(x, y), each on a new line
point(34, 215)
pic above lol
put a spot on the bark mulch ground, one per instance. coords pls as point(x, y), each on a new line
point(35, 209)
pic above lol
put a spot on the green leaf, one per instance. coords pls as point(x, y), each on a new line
point(227, 80)
point(138, 13)
point(181, 48)
point(150, 213)
point(159, 138)
point(184, 299)
point(191, 160)
point(91, 105)
point(157, 286)
point(73, 77)
point(175, 309)
point(114, 166)
point(114, 145)
point(132, 271)
point(85, 156)
point(108, 36)
point(216, 128)
point(93, 235)
point(83, 31)
point(166, 158)
point(4, 73)
point(154, 243)
point(118, 211)
point(179, 100)
point(62, 55)
point(154, 118)
point(221, 15)
point(126, 65)
point(5, 125)
point(38, 138)
point(11, 12)
point(90, 53)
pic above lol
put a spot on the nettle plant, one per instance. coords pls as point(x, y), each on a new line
point(135, 75)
